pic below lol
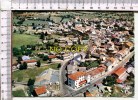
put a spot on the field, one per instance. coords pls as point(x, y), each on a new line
point(23, 39)
point(18, 93)
point(24, 75)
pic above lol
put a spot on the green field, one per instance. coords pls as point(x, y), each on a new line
point(24, 75)
point(18, 93)
point(23, 39)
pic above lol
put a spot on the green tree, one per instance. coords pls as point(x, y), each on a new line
point(42, 36)
point(62, 58)
point(41, 55)
point(45, 58)
point(38, 63)
point(130, 77)
point(16, 51)
point(25, 65)
point(19, 59)
point(109, 81)
point(28, 52)
point(59, 65)
point(23, 48)
point(31, 82)
point(21, 67)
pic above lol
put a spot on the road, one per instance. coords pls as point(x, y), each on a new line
point(61, 77)
point(83, 89)
point(63, 88)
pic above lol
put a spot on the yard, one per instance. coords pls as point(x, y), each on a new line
point(18, 93)
point(23, 39)
point(24, 75)
point(89, 64)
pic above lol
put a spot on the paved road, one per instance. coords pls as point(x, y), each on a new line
point(83, 89)
point(61, 77)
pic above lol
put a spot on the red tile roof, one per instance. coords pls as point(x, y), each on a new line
point(120, 71)
point(119, 81)
point(82, 82)
point(96, 71)
point(40, 90)
point(29, 61)
point(76, 75)
point(52, 56)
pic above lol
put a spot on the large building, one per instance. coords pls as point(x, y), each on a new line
point(80, 78)
point(76, 80)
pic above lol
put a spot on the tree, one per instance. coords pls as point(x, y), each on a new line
point(109, 81)
point(19, 59)
point(41, 55)
point(38, 63)
point(59, 65)
point(45, 58)
point(31, 82)
point(21, 67)
point(23, 48)
point(130, 77)
point(28, 52)
point(33, 47)
point(62, 58)
point(16, 51)
point(42, 36)
point(50, 60)
point(25, 65)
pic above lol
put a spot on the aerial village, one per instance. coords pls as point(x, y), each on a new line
point(73, 54)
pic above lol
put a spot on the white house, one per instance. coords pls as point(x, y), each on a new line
point(95, 73)
point(77, 79)
point(30, 63)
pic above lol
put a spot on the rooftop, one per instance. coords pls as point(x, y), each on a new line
point(119, 80)
point(40, 90)
point(52, 56)
point(76, 75)
point(120, 71)
point(29, 61)
point(96, 71)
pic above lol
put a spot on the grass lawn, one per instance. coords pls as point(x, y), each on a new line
point(23, 39)
point(18, 93)
point(24, 75)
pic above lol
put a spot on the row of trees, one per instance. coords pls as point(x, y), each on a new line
point(24, 50)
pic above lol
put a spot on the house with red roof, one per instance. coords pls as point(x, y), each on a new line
point(77, 79)
point(121, 74)
point(41, 91)
point(95, 73)
point(80, 78)
point(52, 56)
point(30, 63)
